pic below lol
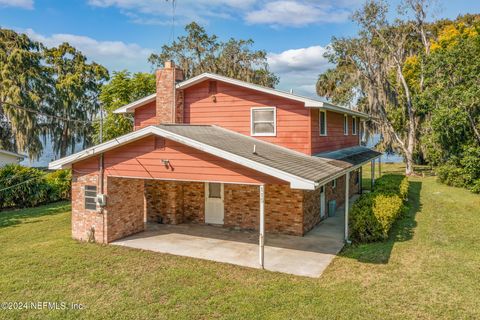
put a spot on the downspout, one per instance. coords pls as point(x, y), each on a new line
point(102, 187)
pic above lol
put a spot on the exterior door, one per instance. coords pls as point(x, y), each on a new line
point(322, 202)
point(214, 203)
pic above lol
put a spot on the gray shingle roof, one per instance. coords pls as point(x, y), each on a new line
point(317, 168)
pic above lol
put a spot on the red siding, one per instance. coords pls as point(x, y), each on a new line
point(335, 139)
point(231, 110)
point(145, 115)
point(143, 159)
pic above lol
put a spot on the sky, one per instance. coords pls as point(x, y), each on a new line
point(121, 34)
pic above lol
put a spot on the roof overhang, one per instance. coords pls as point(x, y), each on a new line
point(295, 181)
point(128, 108)
point(308, 102)
point(13, 154)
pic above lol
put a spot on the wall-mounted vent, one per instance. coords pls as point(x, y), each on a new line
point(212, 87)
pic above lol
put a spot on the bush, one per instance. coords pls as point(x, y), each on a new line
point(373, 214)
point(22, 186)
point(60, 183)
point(452, 175)
point(28, 187)
point(462, 172)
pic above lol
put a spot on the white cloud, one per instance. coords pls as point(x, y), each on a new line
point(160, 11)
point(296, 13)
point(293, 13)
point(298, 69)
point(25, 4)
point(115, 55)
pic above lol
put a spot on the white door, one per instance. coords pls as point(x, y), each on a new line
point(322, 202)
point(214, 203)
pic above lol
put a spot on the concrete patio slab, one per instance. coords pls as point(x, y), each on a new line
point(303, 256)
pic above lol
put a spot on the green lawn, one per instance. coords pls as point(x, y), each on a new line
point(429, 269)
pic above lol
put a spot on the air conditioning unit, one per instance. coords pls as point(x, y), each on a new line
point(102, 200)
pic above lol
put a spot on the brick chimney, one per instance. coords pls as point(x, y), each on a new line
point(169, 102)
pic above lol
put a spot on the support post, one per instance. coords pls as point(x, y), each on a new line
point(379, 166)
point(360, 181)
point(347, 202)
point(261, 238)
point(373, 174)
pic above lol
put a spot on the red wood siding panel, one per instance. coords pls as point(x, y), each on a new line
point(143, 159)
point(335, 138)
point(86, 167)
point(231, 110)
point(145, 116)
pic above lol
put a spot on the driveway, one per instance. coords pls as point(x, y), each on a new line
point(303, 256)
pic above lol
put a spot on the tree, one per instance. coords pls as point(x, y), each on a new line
point(452, 92)
point(198, 52)
point(74, 95)
point(122, 89)
point(374, 68)
point(23, 86)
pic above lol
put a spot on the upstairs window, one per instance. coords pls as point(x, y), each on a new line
point(345, 125)
point(334, 183)
point(354, 125)
point(323, 123)
point(90, 197)
point(263, 121)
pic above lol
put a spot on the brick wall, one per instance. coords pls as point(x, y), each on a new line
point(85, 223)
point(283, 209)
point(125, 207)
point(132, 201)
point(311, 209)
point(123, 215)
point(173, 202)
point(184, 202)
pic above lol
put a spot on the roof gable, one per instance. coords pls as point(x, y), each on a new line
point(308, 102)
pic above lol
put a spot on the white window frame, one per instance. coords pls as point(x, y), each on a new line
point(253, 134)
point(320, 123)
point(334, 183)
point(345, 125)
point(354, 125)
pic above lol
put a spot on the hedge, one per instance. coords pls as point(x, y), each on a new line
point(373, 214)
point(28, 187)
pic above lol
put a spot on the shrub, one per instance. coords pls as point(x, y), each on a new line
point(373, 214)
point(28, 187)
point(22, 187)
point(452, 175)
point(60, 183)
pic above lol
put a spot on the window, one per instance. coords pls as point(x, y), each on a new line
point(357, 176)
point(354, 125)
point(334, 183)
point(345, 125)
point(323, 123)
point(91, 197)
point(214, 190)
point(263, 121)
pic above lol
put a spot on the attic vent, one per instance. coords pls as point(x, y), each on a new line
point(212, 87)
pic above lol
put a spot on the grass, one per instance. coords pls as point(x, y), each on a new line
point(428, 269)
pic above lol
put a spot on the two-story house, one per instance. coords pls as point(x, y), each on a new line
point(215, 150)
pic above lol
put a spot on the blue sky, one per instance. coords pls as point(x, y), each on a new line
point(121, 34)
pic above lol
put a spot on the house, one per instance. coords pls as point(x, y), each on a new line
point(215, 150)
point(7, 157)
